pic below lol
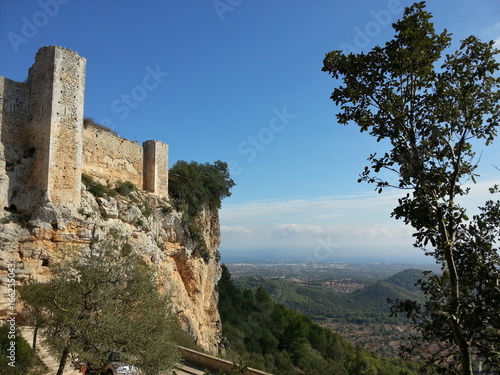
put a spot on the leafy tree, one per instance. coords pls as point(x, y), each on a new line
point(194, 187)
point(105, 300)
point(432, 116)
point(36, 293)
point(199, 185)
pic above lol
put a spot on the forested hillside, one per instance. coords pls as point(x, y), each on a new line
point(353, 306)
point(274, 338)
point(366, 304)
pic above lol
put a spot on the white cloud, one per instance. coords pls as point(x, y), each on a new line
point(331, 228)
point(236, 229)
point(367, 231)
point(326, 210)
point(287, 230)
point(363, 237)
point(324, 229)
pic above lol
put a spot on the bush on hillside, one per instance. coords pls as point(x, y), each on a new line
point(195, 186)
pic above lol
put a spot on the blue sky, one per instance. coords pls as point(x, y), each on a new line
point(241, 81)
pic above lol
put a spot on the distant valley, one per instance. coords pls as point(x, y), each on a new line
point(349, 298)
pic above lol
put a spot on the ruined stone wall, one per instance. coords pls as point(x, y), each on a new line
point(109, 158)
point(57, 86)
point(44, 148)
point(67, 125)
point(15, 155)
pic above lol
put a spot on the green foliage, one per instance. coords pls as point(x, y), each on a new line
point(408, 279)
point(193, 187)
point(366, 305)
point(125, 188)
point(277, 339)
point(477, 263)
point(238, 368)
point(432, 116)
point(105, 300)
point(196, 235)
point(96, 188)
point(166, 210)
point(199, 185)
point(26, 362)
point(145, 208)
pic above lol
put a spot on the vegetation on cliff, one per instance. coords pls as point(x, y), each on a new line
point(89, 121)
point(194, 187)
point(277, 339)
point(313, 297)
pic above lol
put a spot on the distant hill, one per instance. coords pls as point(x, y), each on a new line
point(365, 305)
point(269, 336)
point(407, 279)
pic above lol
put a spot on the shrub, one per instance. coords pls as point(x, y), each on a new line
point(146, 208)
point(196, 234)
point(193, 187)
point(96, 188)
point(125, 188)
point(167, 210)
point(89, 121)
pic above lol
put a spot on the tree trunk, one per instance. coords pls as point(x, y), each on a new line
point(466, 358)
point(62, 362)
point(449, 239)
point(35, 335)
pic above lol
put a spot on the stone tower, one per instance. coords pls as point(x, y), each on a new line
point(155, 167)
point(45, 146)
point(55, 125)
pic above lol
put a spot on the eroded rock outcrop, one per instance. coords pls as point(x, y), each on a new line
point(155, 230)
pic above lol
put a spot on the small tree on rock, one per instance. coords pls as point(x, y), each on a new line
point(102, 301)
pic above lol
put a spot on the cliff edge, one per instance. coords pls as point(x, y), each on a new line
point(155, 229)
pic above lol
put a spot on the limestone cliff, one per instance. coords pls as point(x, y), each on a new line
point(154, 228)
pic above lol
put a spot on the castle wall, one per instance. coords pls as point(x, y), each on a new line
point(57, 82)
point(41, 76)
point(109, 158)
point(44, 147)
point(15, 154)
point(13, 111)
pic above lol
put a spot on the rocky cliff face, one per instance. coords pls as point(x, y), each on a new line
point(154, 228)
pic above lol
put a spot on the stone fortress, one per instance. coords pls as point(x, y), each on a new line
point(45, 147)
point(47, 213)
